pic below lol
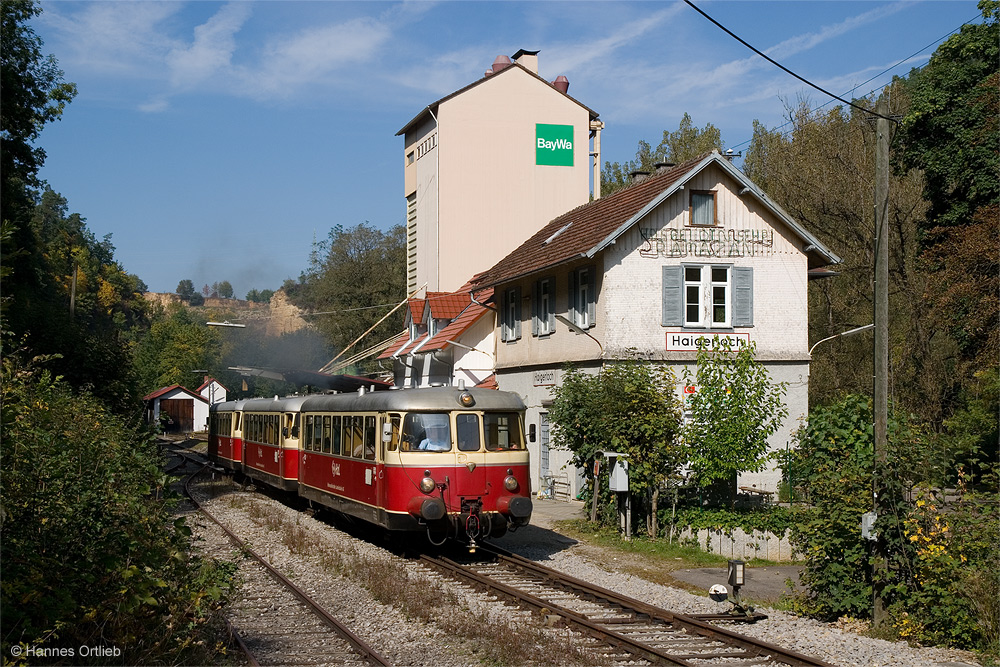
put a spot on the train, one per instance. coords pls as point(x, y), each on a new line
point(449, 462)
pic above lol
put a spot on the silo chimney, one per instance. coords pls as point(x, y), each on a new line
point(561, 84)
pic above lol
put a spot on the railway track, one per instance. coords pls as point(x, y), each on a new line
point(626, 629)
point(276, 622)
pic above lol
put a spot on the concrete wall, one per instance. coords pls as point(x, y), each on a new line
point(741, 545)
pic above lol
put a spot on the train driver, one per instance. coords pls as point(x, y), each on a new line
point(436, 434)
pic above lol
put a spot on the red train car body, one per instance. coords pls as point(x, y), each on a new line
point(445, 460)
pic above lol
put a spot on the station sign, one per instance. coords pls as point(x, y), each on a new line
point(687, 341)
point(554, 145)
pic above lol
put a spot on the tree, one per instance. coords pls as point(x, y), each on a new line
point(260, 296)
point(628, 407)
point(359, 274)
point(34, 94)
point(686, 142)
point(176, 344)
point(224, 289)
point(185, 289)
point(952, 129)
point(734, 410)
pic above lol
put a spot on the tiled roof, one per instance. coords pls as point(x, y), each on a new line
point(574, 233)
point(468, 316)
point(455, 306)
point(416, 307)
point(489, 383)
point(174, 387)
point(447, 305)
point(591, 227)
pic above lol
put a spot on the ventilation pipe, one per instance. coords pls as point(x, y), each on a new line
point(561, 84)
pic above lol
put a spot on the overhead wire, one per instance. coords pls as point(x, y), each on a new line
point(869, 80)
point(785, 69)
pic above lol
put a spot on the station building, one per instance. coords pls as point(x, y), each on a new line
point(690, 252)
point(520, 272)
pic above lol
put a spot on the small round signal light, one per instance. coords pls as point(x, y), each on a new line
point(466, 399)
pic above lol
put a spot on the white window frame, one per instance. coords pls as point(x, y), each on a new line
point(701, 292)
point(510, 316)
point(583, 296)
point(545, 307)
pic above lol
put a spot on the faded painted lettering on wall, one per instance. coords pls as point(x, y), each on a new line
point(714, 242)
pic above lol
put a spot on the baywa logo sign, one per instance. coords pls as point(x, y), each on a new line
point(554, 145)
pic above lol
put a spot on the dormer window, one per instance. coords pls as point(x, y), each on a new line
point(703, 208)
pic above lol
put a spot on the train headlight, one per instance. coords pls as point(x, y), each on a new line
point(466, 399)
point(510, 483)
point(427, 485)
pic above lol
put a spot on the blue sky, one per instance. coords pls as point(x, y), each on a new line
point(216, 141)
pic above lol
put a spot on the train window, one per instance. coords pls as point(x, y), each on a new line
point(273, 422)
point(327, 433)
point(503, 431)
point(394, 443)
point(236, 421)
point(307, 440)
point(427, 432)
point(467, 432)
point(336, 434)
point(370, 438)
point(357, 436)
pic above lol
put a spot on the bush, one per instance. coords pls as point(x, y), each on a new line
point(937, 555)
point(90, 554)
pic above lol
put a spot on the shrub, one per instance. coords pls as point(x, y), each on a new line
point(90, 553)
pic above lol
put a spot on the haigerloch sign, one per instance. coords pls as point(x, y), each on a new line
point(681, 242)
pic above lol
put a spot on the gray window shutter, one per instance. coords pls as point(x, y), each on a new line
point(591, 296)
point(673, 292)
point(517, 313)
point(535, 303)
point(551, 315)
point(573, 293)
point(742, 296)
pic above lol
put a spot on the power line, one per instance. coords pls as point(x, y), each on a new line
point(782, 67)
point(888, 69)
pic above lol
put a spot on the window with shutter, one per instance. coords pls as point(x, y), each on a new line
point(707, 296)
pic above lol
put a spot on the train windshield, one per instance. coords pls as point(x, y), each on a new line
point(503, 431)
point(428, 432)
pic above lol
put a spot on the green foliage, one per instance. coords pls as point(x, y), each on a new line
point(260, 296)
point(73, 299)
point(628, 407)
point(34, 95)
point(684, 143)
point(360, 274)
point(176, 344)
point(952, 130)
point(90, 553)
point(774, 519)
point(735, 409)
point(185, 289)
point(939, 559)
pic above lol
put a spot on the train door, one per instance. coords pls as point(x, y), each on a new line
point(388, 445)
point(290, 448)
point(469, 486)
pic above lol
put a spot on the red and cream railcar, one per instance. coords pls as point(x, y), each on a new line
point(445, 460)
point(225, 434)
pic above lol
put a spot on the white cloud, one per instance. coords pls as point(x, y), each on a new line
point(111, 38)
point(212, 50)
point(309, 57)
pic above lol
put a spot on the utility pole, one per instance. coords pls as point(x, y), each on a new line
point(880, 387)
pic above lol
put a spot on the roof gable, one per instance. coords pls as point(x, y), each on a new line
point(592, 227)
point(432, 108)
point(160, 393)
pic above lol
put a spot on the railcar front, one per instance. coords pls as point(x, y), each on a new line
point(271, 441)
point(448, 461)
point(225, 434)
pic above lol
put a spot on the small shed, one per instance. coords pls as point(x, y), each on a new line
point(179, 410)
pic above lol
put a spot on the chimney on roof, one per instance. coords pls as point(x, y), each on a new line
point(638, 176)
point(561, 84)
point(500, 62)
point(527, 59)
point(663, 166)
